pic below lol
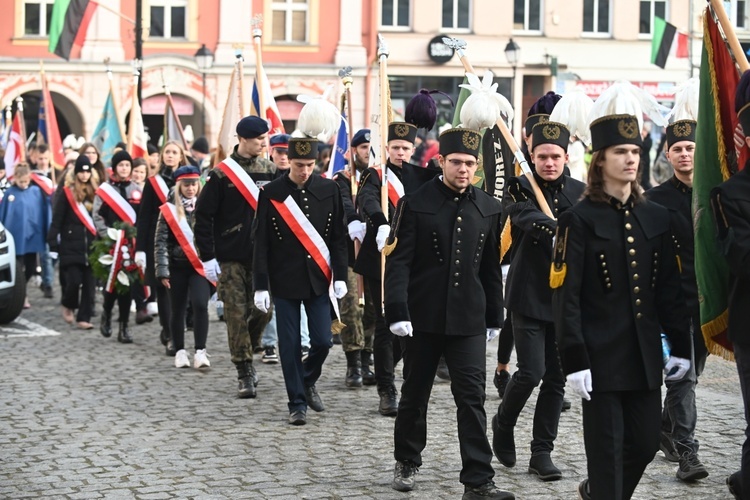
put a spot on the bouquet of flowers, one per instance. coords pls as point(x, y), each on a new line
point(112, 259)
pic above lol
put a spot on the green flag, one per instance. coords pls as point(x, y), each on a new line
point(661, 42)
point(68, 25)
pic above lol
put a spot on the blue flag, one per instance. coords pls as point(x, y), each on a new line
point(107, 132)
point(340, 147)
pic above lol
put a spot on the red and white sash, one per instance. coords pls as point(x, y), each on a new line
point(44, 183)
point(80, 211)
point(184, 235)
point(395, 187)
point(241, 180)
point(310, 239)
point(116, 202)
point(160, 188)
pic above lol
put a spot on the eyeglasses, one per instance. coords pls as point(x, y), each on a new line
point(457, 163)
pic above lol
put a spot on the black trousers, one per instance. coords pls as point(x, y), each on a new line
point(185, 283)
point(28, 261)
point(742, 358)
point(123, 304)
point(505, 341)
point(79, 282)
point(621, 434)
point(538, 361)
point(386, 348)
point(465, 357)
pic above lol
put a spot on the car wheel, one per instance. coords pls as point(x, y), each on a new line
point(15, 304)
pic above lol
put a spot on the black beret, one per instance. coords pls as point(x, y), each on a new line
point(251, 127)
point(83, 164)
point(460, 140)
point(151, 148)
point(187, 172)
point(200, 145)
point(550, 133)
point(402, 131)
point(362, 136)
point(279, 141)
point(303, 149)
point(121, 155)
point(613, 130)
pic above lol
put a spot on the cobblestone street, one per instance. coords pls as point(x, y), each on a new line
point(87, 417)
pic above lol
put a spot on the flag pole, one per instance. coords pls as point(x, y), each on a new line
point(22, 122)
point(734, 44)
point(133, 107)
point(174, 113)
point(43, 78)
point(383, 77)
point(240, 79)
point(257, 22)
point(108, 69)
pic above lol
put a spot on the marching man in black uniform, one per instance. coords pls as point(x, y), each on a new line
point(529, 300)
point(386, 350)
point(680, 414)
point(443, 297)
point(616, 287)
point(300, 248)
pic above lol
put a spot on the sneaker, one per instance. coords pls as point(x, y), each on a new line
point(270, 355)
point(691, 468)
point(152, 308)
point(200, 360)
point(584, 493)
point(257, 349)
point(667, 447)
point(487, 490)
point(181, 359)
point(305, 352)
point(501, 381)
point(404, 476)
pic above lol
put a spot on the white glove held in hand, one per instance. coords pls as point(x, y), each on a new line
point(402, 328)
point(357, 230)
point(580, 383)
point(492, 333)
point(53, 255)
point(676, 368)
point(339, 289)
point(212, 270)
point(140, 260)
point(382, 236)
point(262, 300)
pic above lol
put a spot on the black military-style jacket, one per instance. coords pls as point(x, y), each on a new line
point(678, 198)
point(368, 203)
point(281, 264)
point(730, 203)
point(616, 287)
point(223, 218)
point(527, 289)
point(444, 273)
point(148, 214)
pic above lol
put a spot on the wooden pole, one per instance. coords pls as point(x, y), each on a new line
point(257, 35)
point(114, 97)
point(383, 77)
point(734, 44)
point(134, 107)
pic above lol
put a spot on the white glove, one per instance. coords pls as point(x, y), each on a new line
point(492, 333)
point(402, 328)
point(357, 230)
point(676, 368)
point(212, 270)
point(580, 383)
point(339, 289)
point(382, 236)
point(140, 260)
point(53, 255)
point(262, 300)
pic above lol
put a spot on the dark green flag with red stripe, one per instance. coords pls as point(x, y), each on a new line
point(70, 20)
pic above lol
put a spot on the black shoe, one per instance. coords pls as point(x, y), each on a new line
point(583, 490)
point(566, 405)
point(503, 444)
point(47, 290)
point(123, 334)
point(313, 399)
point(487, 490)
point(245, 385)
point(388, 404)
point(336, 339)
point(105, 324)
point(169, 349)
point(542, 466)
point(163, 336)
point(258, 349)
point(442, 370)
point(353, 369)
point(501, 381)
point(667, 447)
point(404, 476)
point(691, 468)
point(368, 376)
point(142, 317)
point(734, 485)
point(298, 417)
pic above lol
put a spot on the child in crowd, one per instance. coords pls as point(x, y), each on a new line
point(140, 172)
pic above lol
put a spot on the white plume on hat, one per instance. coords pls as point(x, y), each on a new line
point(484, 107)
point(319, 118)
point(685, 101)
point(573, 110)
point(624, 98)
point(73, 142)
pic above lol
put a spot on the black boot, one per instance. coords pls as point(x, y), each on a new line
point(123, 335)
point(388, 401)
point(246, 386)
point(105, 326)
point(353, 369)
point(368, 376)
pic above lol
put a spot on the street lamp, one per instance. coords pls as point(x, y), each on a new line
point(204, 58)
point(512, 54)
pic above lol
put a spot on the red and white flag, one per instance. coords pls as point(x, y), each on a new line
point(137, 139)
point(272, 114)
point(15, 152)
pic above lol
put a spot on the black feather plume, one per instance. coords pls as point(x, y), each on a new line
point(421, 110)
point(742, 96)
point(545, 104)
